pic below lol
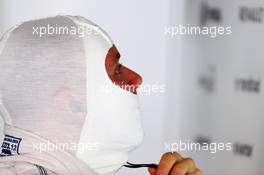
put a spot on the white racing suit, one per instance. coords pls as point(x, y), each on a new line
point(22, 156)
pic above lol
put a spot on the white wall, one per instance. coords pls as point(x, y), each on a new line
point(223, 113)
point(137, 27)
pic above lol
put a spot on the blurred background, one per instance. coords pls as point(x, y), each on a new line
point(213, 84)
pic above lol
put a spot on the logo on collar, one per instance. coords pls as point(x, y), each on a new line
point(10, 146)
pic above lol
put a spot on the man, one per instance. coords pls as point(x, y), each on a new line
point(69, 106)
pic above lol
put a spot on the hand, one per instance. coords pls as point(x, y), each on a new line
point(175, 164)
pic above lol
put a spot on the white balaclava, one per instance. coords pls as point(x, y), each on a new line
point(54, 85)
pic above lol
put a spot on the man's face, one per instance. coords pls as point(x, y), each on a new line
point(119, 74)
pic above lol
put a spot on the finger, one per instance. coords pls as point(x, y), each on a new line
point(197, 172)
point(185, 166)
point(152, 171)
point(167, 161)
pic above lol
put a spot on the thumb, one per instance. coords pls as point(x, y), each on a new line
point(152, 171)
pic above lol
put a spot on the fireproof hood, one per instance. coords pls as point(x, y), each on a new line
point(62, 112)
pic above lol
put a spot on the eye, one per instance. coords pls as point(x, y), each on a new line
point(117, 69)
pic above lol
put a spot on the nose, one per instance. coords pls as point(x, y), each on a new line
point(132, 78)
